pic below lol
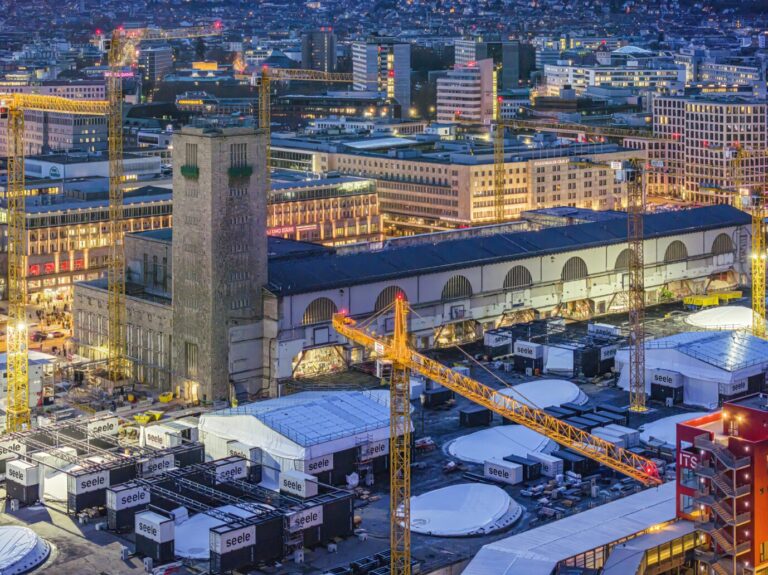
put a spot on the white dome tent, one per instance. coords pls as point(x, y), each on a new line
point(463, 510)
point(21, 550)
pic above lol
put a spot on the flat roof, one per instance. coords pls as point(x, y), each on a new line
point(628, 557)
point(538, 551)
point(327, 269)
point(313, 417)
point(161, 235)
point(727, 350)
point(79, 158)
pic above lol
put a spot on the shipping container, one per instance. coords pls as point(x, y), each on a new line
point(632, 435)
point(503, 471)
point(585, 423)
point(576, 463)
point(436, 397)
point(155, 536)
point(613, 417)
point(22, 481)
point(531, 469)
point(475, 416)
point(551, 466)
point(123, 502)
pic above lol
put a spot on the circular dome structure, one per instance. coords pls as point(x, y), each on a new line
point(543, 393)
point(665, 429)
point(191, 537)
point(725, 317)
point(497, 443)
point(462, 510)
point(21, 550)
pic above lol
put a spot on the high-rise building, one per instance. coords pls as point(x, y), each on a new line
point(220, 261)
point(513, 60)
point(700, 137)
point(383, 65)
point(721, 481)
point(155, 62)
point(467, 93)
point(318, 50)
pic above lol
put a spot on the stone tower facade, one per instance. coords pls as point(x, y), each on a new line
point(219, 260)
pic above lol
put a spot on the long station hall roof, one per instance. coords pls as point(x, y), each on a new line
point(314, 270)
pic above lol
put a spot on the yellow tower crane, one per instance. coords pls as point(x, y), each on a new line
point(404, 360)
point(123, 52)
point(269, 75)
point(755, 204)
point(14, 106)
point(634, 173)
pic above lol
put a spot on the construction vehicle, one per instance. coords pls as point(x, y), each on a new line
point(404, 361)
point(13, 106)
point(122, 51)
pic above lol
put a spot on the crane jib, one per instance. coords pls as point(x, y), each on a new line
point(622, 460)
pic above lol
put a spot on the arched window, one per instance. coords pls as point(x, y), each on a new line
point(574, 269)
point(319, 310)
point(676, 252)
point(456, 287)
point(387, 296)
point(622, 262)
point(723, 244)
point(517, 278)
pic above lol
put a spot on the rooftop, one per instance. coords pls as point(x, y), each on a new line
point(538, 551)
point(309, 418)
point(79, 158)
point(727, 350)
point(325, 269)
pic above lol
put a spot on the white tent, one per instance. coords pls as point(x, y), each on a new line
point(303, 426)
point(709, 363)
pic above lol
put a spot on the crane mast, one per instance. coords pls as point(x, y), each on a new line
point(636, 291)
point(122, 52)
point(18, 413)
point(756, 205)
point(400, 447)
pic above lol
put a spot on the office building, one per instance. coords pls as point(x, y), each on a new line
point(46, 132)
point(220, 259)
point(698, 140)
point(423, 190)
point(384, 66)
point(68, 237)
point(155, 62)
point(468, 93)
point(328, 211)
point(318, 50)
point(642, 76)
point(721, 480)
point(514, 60)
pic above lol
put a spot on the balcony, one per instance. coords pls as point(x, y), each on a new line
point(721, 452)
point(190, 172)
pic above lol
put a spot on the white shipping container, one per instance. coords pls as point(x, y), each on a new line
point(632, 436)
point(617, 440)
point(551, 466)
point(503, 471)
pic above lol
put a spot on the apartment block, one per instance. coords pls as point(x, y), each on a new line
point(383, 65)
point(468, 93)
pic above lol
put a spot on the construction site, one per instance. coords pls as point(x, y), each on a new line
point(577, 399)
